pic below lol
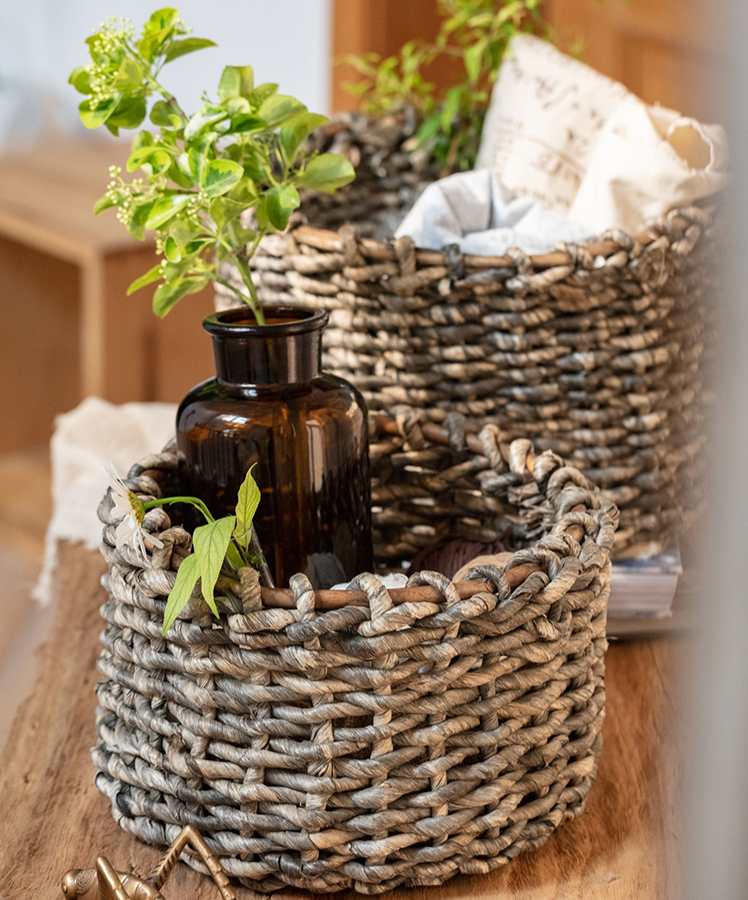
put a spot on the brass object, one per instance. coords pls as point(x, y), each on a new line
point(104, 883)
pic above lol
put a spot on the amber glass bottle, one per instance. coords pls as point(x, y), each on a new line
point(307, 431)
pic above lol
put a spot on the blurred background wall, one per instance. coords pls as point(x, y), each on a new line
point(41, 41)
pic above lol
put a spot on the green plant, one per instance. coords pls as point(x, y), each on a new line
point(224, 541)
point(243, 151)
point(475, 35)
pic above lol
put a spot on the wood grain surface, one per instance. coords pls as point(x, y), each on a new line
point(52, 817)
point(67, 271)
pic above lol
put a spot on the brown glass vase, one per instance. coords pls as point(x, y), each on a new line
point(306, 430)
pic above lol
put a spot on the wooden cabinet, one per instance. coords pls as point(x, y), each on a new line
point(67, 328)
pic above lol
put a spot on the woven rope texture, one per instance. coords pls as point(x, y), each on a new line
point(594, 351)
point(365, 747)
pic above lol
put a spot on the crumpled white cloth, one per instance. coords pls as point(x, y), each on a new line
point(582, 144)
point(476, 212)
point(647, 161)
point(93, 434)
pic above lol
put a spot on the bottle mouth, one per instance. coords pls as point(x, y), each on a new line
point(280, 320)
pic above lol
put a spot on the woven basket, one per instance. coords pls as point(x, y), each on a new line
point(363, 739)
point(593, 351)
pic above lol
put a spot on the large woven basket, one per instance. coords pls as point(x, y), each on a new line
point(593, 351)
point(364, 739)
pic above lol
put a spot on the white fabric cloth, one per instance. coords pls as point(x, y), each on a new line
point(561, 133)
point(546, 113)
point(474, 211)
point(85, 440)
point(647, 161)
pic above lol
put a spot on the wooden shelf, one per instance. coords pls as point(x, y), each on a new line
point(69, 328)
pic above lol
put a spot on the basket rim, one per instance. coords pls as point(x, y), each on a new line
point(607, 244)
point(514, 572)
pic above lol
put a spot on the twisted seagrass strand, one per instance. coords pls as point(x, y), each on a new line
point(595, 351)
point(396, 743)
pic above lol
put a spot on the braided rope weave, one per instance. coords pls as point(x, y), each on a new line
point(595, 351)
point(365, 747)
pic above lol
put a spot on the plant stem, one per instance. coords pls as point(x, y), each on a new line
point(264, 569)
point(452, 154)
point(192, 501)
point(229, 286)
point(246, 273)
point(235, 557)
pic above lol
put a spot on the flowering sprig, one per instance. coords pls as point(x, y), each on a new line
point(243, 151)
point(220, 541)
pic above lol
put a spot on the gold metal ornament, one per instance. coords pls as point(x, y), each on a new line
point(104, 883)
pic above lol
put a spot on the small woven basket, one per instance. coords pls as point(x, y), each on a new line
point(366, 738)
point(593, 351)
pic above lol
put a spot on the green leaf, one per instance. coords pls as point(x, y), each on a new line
point(429, 129)
point(296, 130)
point(168, 295)
point(157, 30)
point(326, 173)
point(220, 176)
point(158, 158)
point(130, 75)
point(280, 108)
point(187, 575)
point(129, 113)
point(164, 115)
point(150, 276)
point(197, 156)
point(80, 78)
point(246, 507)
point(261, 93)
point(261, 214)
point(245, 124)
point(103, 203)
point(143, 138)
point(224, 209)
point(257, 166)
point(175, 273)
point(237, 106)
point(161, 20)
point(282, 200)
point(244, 191)
point(194, 247)
point(137, 224)
point(179, 178)
point(210, 544)
point(92, 117)
point(208, 115)
point(188, 45)
point(172, 251)
point(184, 232)
point(236, 81)
point(451, 107)
point(473, 58)
point(166, 208)
point(161, 162)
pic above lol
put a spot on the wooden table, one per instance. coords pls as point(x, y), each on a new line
point(625, 846)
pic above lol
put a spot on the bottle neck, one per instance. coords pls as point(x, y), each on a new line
point(287, 350)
